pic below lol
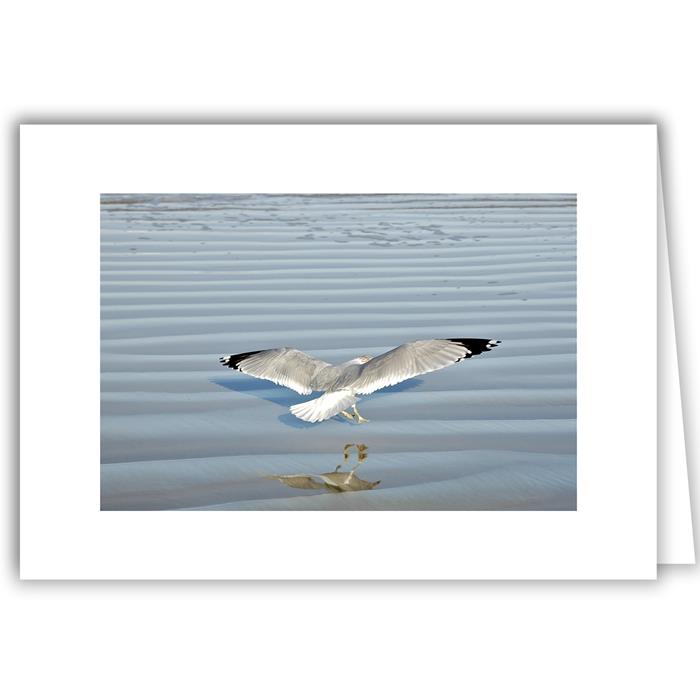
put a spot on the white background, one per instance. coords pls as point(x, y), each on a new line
point(460, 61)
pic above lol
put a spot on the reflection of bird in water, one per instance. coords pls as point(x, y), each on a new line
point(362, 375)
point(361, 452)
point(335, 481)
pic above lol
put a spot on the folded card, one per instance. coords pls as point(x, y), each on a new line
point(339, 351)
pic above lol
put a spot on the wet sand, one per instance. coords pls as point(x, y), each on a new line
point(187, 278)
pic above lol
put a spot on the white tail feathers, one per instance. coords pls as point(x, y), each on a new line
point(324, 407)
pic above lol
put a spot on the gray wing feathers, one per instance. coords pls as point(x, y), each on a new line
point(285, 366)
point(406, 361)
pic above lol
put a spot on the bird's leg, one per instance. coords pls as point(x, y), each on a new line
point(359, 418)
point(350, 417)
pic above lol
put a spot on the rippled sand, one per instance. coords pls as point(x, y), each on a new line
point(187, 278)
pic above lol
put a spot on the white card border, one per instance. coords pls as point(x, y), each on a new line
point(611, 168)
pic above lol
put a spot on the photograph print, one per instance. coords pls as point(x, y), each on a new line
point(338, 352)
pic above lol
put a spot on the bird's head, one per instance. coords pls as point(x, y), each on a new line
point(361, 360)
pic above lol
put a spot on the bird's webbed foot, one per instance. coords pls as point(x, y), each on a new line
point(358, 417)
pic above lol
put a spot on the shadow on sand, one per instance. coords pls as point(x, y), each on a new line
point(286, 397)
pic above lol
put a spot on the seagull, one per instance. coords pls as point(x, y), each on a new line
point(360, 376)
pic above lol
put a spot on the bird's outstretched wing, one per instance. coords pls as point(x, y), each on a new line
point(286, 366)
point(412, 359)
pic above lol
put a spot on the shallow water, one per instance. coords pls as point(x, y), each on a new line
point(188, 278)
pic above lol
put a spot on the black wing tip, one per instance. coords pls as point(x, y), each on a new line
point(233, 361)
point(475, 346)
